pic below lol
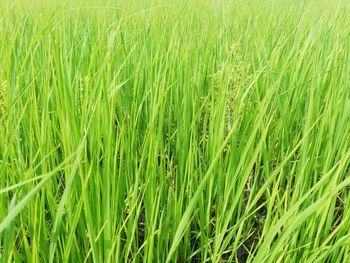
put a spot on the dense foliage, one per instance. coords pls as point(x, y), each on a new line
point(175, 131)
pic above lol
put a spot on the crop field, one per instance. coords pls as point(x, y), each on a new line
point(175, 131)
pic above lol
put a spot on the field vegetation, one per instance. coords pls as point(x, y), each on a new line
point(175, 131)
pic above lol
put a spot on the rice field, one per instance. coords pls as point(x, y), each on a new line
point(175, 131)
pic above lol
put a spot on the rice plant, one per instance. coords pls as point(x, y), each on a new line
point(175, 131)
